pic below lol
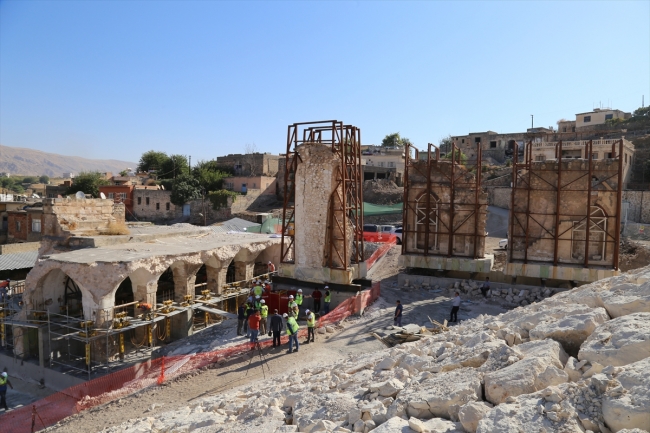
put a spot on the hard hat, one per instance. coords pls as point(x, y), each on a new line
point(327, 287)
point(262, 301)
point(285, 315)
point(299, 290)
point(4, 374)
point(290, 296)
point(270, 262)
point(307, 311)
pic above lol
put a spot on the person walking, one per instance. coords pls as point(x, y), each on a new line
point(241, 317)
point(485, 288)
point(311, 324)
point(4, 381)
point(316, 296)
point(398, 314)
point(264, 312)
point(455, 306)
point(276, 328)
point(254, 325)
point(292, 331)
point(328, 299)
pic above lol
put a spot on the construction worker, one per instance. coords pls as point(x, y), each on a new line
point(316, 296)
point(291, 302)
point(241, 318)
point(264, 312)
point(5, 286)
point(267, 287)
point(4, 381)
point(299, 300)
point(328, 299)
point(247, 312)
point(271, 267)
point(258, 302)
point(258, 290)
point(292, 332)
point(276, 328)
point(311, 324)
point(254, 325)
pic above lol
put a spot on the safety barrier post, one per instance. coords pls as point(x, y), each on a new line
point(161, 378)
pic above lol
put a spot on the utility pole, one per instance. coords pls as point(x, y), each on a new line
point(190, 164)
point(531, 122)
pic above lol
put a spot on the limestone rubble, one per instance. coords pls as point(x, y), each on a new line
point(575, 362)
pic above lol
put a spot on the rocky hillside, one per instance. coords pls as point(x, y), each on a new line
point(578, 361)
point(21, 161)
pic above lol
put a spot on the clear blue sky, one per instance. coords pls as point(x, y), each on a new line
point(114, 79)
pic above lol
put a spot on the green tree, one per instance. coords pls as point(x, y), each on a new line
point(445, 144)
point(209, 175)
point(88, 182)
point(152, 160)
point(395, 140)
point(124, 173)
point(44, 179)
point(29, 179)
point(174, 166)
point(7, 182)
point(17, 188)
point(458, 157)
point(185, 188)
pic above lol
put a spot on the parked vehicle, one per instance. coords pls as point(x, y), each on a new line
point(398, 234)
point(503, 243)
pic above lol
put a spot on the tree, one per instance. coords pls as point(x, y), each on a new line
point(185, 188)
point(445, 144)
point(248, 161)
point(174, 166)
point(458, 157)
point(29, 179)
point(124, 173)
point(392, 140)
point(152, 160)
point(209, 175)
point(44, 179)
point(88, 182)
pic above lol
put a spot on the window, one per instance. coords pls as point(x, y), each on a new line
point(573, 129)
point(381, 164)
point(587, 119)
point(594, 155)
point(167, 206)
point(477, 139)
point(493, 144)
point(147, 201)
point(422, 220)
point(540, 158)
point(17, 226)
point(597, 236)
point(608, 155)
point(391, 164)
point(157, 206)
point(254, 185)
point(123, 196)
point(36, 226)
point(564, 129)
point(609, 116)
point(462, 141)
point(139, 200)
point(626, 158)
point(110, 195)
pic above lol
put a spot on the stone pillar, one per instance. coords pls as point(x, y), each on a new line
point(216, 278)
point(244, 271)
point(184, 279)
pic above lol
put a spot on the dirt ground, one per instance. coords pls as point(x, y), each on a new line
point(634, 254)
point(353, 337)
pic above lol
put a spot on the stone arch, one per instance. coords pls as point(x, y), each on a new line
point(124, 294)
point(216, 271)
point(58, 293)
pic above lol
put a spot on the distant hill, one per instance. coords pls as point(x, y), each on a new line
point(18, 160)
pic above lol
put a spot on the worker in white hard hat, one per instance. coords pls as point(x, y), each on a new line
point(311, 324)
point(264, 312)
point(271, 267)
point(258, 303)
point(299, 299)
point(327, 299)
point(4, 381)
point(258, 290)
point(292, 332)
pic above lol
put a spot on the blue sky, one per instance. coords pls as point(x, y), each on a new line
point(114, 79)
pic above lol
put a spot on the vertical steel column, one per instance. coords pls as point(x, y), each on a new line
point(405, 202)
point(558, 197)
point(428, 209)
point(527, 156)
point(477, 186)
point(619, 197)
point(451, 200)
point(513, 190)
point(285, 203)
point(589, 161)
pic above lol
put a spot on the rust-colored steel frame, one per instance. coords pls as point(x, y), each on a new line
point(521, 220)
point(346, 200)
point(453, 182)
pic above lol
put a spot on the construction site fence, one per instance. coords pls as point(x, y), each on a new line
point(387, 241)
point(54, 408)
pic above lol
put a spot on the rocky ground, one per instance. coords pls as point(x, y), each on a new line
point(382, 192)
point(576, 361)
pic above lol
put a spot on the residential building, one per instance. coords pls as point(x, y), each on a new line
point(250, 164)
point(24, 225)
point(69, 175)
point(498, 146)
point(151, 203)
point(5, 174)
point(598, 116)
point(265, 184)
point(5, 208)
point(120, 193)
point(53, 191)
point(379, 162)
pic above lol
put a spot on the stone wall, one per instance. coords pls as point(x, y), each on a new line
point(154, 205)
point(499, 196)
point(63, 216)
point(22, 247)
point(639, 210)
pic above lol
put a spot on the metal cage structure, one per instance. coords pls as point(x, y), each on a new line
point(577, 192)
point(346, 200)
point(460, 218)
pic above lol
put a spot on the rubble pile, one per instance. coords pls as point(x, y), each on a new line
point(578, 361)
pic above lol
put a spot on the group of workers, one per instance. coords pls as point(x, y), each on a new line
point(253, 316)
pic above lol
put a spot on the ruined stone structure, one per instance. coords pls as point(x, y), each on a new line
point(323, 208)
point(565, 216)
point(445, 212)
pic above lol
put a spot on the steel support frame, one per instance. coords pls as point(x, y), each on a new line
point(522, 218)
point(346, 201)
point(453, 182)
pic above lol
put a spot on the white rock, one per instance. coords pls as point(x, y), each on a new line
point(551, 376)
point(618, 342)
point(571, 370)
point(394, 425)
point(387, 364)
point(417, 425)
point(632, 408)
point(471, 413)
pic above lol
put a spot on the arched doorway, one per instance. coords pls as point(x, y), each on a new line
point(58, 294)
point(165, 291)
point(124, 295)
